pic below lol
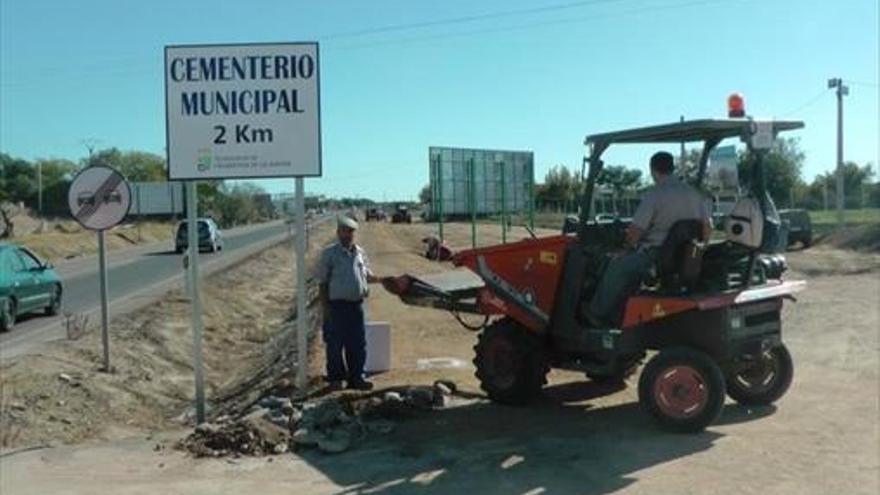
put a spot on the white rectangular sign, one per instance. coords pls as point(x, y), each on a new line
point(242, 111)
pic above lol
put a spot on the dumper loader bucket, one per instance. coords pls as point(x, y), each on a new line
point(518, 279)
point(521, 278)
point(455, 290)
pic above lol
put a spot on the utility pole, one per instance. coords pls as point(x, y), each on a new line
point(842, 91)
point(40, 187)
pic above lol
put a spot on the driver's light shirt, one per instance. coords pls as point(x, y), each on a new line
point(345, 272)
point(666, 203)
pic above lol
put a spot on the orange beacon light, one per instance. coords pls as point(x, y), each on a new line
point(736, 106)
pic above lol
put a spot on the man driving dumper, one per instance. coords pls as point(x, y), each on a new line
point(669, 201)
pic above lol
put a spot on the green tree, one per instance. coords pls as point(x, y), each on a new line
point(620, 178)
point(136, 166)
point(873, 195)
point(857, 187)
point(17, 179)
point(425, 195)
point(560, 186)
point(782, 169)
point(56, 170)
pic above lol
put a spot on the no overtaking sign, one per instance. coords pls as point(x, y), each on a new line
point(99, 198)
point(242, 111)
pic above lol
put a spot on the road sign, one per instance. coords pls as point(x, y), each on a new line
point(242, 111)
point(99, 198)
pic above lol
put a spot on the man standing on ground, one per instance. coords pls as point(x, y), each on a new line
point(344, 276)
point(668, 202)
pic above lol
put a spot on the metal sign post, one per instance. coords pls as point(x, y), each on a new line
point(503, 205)
point(99, 198)
point(242, 111)
point(302, 317)
point(105, 299)
point(472, 176)
point(531, 204)
point(439, 197)
point(192, 234)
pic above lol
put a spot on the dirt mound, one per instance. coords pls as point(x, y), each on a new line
point(332, 424)
point(864, 238)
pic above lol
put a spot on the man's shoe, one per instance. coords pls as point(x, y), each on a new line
point(360, 385)
point(334, 386)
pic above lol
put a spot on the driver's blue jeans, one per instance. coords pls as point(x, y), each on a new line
point(622, 277)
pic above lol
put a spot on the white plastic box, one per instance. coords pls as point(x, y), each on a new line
point(378, 347)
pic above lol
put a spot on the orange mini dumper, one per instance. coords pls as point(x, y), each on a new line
point(711, 310)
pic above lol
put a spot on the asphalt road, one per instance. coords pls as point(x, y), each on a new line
point(135, 277)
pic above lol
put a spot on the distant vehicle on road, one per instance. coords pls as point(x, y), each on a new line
point(210, 238)
point(27, 285)
point(800, 227)
point(376, 214)
point(401, 215)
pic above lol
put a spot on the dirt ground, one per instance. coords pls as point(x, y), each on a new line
point(822, 437)
point(60, 396)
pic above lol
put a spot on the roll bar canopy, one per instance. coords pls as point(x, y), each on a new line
point(708, 131)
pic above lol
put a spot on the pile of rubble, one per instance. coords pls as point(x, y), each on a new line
point(275, 424)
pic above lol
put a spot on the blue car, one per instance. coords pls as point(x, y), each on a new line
point(27, 285)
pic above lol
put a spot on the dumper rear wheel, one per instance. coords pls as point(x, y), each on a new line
point(511, 364)
point(764, 380)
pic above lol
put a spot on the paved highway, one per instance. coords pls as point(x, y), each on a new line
point(135, 278)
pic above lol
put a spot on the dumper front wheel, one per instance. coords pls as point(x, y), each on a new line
point(683, 389)
point(510, 362)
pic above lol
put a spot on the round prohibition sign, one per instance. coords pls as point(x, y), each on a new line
point(99, 197)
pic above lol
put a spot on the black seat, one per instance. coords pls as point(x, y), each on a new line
point(679, 259)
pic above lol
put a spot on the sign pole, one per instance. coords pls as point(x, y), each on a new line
point(302, 316)
point(99, 198)
point(282, 140)
point(192, 231)
point(440, 196)
point(473, 198)
point(105, 299)
point(503, 206)
point(531, 195)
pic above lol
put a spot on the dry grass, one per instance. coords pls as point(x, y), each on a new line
point(244, 309)
point(67, 239)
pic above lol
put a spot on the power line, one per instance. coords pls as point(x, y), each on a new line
point(862, 83)
point(467, 19)
point(807, 104)
point(144, 70)
point(539, 24)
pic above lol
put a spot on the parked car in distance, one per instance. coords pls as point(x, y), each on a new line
point(210, 238)
point(401, 215)
point(27, 285)
point(376, 214)
point(800, 227)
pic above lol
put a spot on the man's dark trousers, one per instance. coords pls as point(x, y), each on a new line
point(345, 334)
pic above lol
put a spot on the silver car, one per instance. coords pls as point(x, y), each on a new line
point(210, 238)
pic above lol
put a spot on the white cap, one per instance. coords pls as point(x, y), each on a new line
point(347, 222)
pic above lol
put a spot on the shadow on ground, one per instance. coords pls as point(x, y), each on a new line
point(559, 445)
point(171, 252)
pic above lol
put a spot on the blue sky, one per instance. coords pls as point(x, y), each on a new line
point(509, 74)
